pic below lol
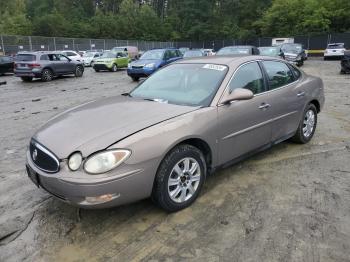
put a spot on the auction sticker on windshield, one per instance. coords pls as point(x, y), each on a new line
point(214, 67)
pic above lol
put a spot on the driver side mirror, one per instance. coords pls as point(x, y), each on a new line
point(238, 94)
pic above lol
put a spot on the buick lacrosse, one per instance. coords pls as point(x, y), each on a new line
point(163, 138)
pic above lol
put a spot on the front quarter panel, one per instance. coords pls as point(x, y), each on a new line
point(151, 145)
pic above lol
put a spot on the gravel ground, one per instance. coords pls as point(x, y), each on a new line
point(289, 203)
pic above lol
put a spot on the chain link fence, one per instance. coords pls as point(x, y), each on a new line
point(11, 44)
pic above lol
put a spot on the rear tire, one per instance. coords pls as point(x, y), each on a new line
point(46, 75)
point(26, 78)
point(179, 178)
point(307, 125)
point(79, 70)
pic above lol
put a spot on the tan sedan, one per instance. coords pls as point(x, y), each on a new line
point(162, 139)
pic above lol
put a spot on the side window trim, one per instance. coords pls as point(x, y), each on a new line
point(268, 89)
point(239, 67)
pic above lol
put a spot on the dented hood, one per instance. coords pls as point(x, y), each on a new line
point(97, 125)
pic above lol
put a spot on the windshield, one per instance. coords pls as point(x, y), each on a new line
point(193, 53)
point(269, 51)
point(25, 57)
point(234, 51)
point(89, 54)
point(335, 46)
point(108, 55)
point(153, 55)
point(183, 84)
point(291, 48)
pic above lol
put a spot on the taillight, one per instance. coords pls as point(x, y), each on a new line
point(34, 65)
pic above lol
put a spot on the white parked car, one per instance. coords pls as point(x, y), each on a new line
point(72, 55)
point(209, 52)
point(334, 50)
point(89, 57)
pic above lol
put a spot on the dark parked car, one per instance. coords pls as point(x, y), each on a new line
point(239, 50)
point(294, 53)
point(45, 65)
point(164, 137)
point(273, 51)
point(6, 64)
point(151, 61)
point(345, 63)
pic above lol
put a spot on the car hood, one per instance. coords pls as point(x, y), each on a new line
point(143, 62)
point(292, 53)
point(104, 59)
point(98, 124)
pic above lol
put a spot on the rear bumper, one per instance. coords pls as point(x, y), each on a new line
point(29, 72)
point(333, 54)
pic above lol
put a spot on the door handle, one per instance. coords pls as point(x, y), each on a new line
point(264, 106)
point(301, 94)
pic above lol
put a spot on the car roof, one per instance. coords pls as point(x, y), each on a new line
point(239, 46)
point(36, 52)
point(224, 60)
point(169, 48)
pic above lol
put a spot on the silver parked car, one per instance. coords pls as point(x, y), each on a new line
point(45, 65)
point(162, 139)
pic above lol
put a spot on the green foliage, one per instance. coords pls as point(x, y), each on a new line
point(173, 19)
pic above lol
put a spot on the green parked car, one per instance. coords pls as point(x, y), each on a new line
point(111, 61)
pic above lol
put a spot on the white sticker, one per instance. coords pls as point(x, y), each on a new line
point(214, 67)
point(42, 47)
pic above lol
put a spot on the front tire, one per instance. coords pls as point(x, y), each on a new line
point(307, 125)
point(46, 75)
point(180, 178)
point(135, 78)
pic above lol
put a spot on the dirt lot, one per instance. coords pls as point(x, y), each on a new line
point(290, 203)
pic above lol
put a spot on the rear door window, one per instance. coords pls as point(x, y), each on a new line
point(278, 73)
point(44, 57)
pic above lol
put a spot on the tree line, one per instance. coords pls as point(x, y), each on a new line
point(174, 20)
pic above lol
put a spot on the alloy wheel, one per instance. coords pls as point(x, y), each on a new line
point(309, 123)
point(184, 180)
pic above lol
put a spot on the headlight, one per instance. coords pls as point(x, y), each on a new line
point(150, 65)
point(105, 161)
point(74, 161)
point(129, 65)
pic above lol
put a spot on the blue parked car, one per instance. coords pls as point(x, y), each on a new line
point(151, 61)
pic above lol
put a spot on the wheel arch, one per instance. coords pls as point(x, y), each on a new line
point(199, 143)
point(316, 104)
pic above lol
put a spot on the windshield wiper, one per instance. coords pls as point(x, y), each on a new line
point(127, 94)
point(156, 100)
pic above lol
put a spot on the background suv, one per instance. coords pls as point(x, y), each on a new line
point(334, 50)
point(111, 61)
point(45, 65)
point(151, 61)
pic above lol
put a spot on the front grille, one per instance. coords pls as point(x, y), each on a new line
point(43, 158)
point(137, 67)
